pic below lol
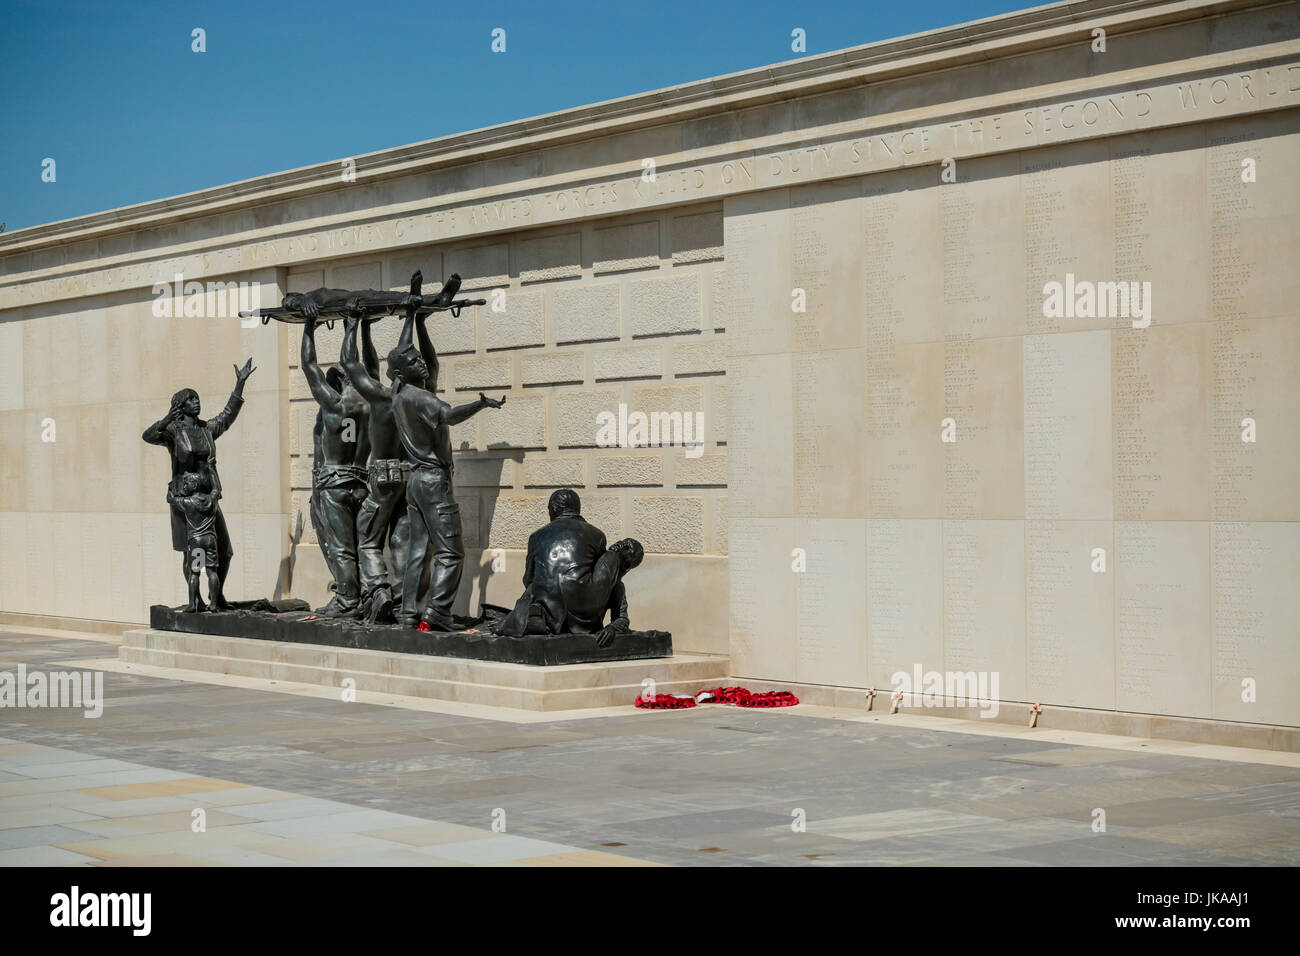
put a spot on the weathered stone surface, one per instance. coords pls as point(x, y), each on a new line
point(584, 313)
point(665, 306)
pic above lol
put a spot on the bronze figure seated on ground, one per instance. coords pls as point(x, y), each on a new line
point(571, 579)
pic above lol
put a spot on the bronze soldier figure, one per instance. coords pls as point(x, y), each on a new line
point(424, 426)
point(341, 441)
point(571, 579)
point(383, 517)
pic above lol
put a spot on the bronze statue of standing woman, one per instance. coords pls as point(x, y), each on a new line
point(192, 443)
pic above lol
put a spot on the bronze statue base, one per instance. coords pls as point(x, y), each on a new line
point(277, 622)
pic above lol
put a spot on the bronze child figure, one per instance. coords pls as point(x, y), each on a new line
point(196, 499)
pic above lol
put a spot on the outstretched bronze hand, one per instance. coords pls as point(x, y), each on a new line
point(241, 374)
point(491, 402)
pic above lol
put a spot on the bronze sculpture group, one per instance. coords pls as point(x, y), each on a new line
point(382, 481)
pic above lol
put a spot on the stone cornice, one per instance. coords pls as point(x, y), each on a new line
point(1033, 30)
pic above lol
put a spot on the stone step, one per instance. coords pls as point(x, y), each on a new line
point(566, 677)
point(523, 687)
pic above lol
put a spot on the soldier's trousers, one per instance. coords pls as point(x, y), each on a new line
point(334, 513)
point(435, 531)
point(383, 518)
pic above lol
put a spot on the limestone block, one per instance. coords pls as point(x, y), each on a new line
point(626, 247)
point(554, 472)
point(300, 507)
point(830, 634)
point(13, 471)
point(983, 469)
point(904, 586)
point(521, 324)
point(669, 524)
point(14, 590)
point(470, 514)
point(697, 237)
point(718, 413)
point(551, 368)
point(472, 374)
point(824, 268)
point(544, 258)
point(385, 333)
point(630, 470)
point(583, 313)
point(511, 519)
point(63, 459)
point(575, 415)
point(1253, 376)
point(1162, 615)
point(93, 458)
point(760, 443)
point(91, 345)
point(830, 477)
point(981, 233)
point(984, 602)
point(719, 523)
point(65, 551)
point(606, 513)
point(705, 357)
point(300, 473)
point(263, 543)
point(668, 306)
point(1068, 227)
point(1070, 611)
point(484, 472)
point(1161, 397)
point(258, 452)
point(904, 412)
point(719, 291)
point(302, 422)
point(1254, 603)
point(1068, 426)
point(762, 595)
point(705, 471)
point(520, 423)
point(452, 335)
point(399, 267)
point(125, 568)
point(1253, 241)
point(355, 275)
point(465, 436)
point(759, 286)
point(638, 361)
point(479, 267)
point(11, 365)
point(899, 284)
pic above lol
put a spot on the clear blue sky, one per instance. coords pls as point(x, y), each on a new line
point(112, 92)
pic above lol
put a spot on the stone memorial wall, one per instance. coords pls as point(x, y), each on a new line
point(913, 197)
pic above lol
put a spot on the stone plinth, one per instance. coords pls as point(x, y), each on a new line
point(485, 683)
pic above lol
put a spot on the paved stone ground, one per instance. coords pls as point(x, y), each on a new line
point(355, 783)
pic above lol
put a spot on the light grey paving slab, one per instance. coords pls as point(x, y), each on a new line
point(43, 856)
point(502, 850)
point(20, 837)
point(76, 768)
point(295, 809)
point(41, 816)
point(350, 821)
